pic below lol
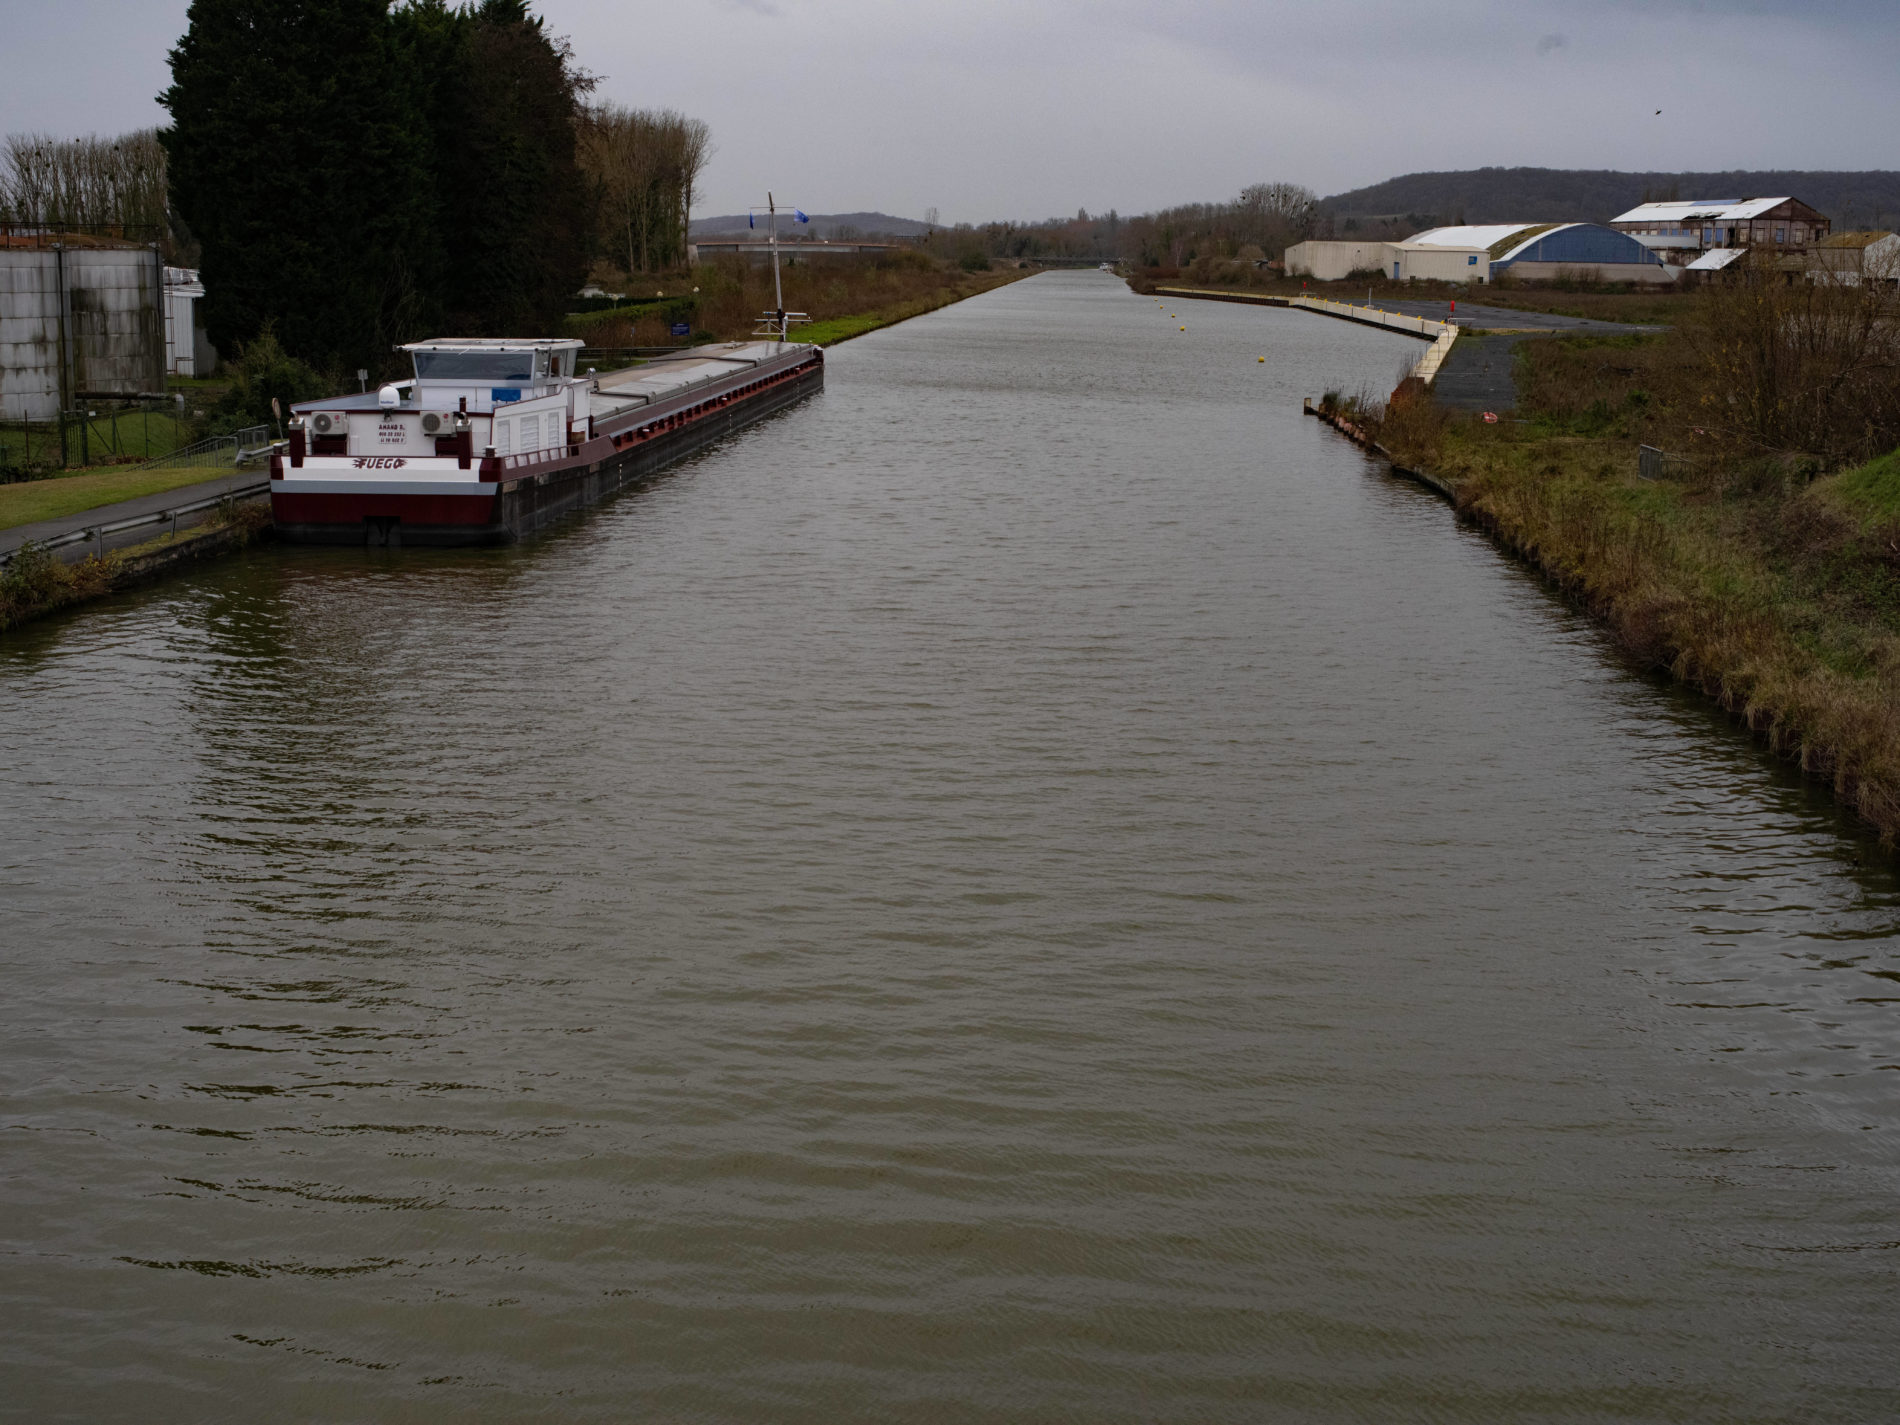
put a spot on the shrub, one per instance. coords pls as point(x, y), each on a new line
point(35, 581)
point(1772, 366)
point(262, 370)
point(1413, 425)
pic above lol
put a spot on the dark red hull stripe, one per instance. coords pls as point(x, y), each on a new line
point(410, 509)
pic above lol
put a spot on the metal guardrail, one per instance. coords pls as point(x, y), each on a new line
point(1434, 357)
point(97, 533)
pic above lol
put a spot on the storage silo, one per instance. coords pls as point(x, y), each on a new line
point(79, 317)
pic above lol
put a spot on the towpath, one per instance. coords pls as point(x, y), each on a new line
point(1480, 375)
point(41, 531)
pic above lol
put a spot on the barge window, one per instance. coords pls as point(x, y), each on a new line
point(479, 368)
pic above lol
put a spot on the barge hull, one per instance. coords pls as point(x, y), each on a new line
point(529, 502)
point(536, 503)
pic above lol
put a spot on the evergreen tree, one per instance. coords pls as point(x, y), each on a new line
point(359, 177)
point(512, 213)
point(295, 161)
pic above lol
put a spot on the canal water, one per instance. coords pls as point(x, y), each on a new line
point(1038, 885)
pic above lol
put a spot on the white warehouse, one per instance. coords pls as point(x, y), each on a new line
point(1485, 252)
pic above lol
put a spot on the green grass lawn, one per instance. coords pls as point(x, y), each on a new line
point(1871, 491)
point(34, 500)
point(841, 328)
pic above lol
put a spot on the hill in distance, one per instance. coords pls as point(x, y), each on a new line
point(823, 225)
point(1578, 195)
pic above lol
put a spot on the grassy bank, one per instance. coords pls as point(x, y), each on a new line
point(723, 299)
point(1785, 609)
point(837, 329)
point(33, 500)
point(1767, 578)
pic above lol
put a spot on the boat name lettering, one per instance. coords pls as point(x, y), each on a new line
point(380, 462)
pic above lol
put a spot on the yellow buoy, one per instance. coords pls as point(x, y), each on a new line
point(1183, 328)
point(1263, 360)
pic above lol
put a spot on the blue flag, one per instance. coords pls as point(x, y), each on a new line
point(800, 216)
point(748, 221)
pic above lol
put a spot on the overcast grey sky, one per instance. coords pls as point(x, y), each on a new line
point(985, 109)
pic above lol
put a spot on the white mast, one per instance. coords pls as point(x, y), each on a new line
point(776, 323)
point(778, 292)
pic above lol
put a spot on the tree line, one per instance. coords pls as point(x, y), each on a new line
point(1508, 195)
point(355, 175)
point(1262, 221)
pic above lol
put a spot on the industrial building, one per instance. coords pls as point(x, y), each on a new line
point(1853, 258)
point(1681, 232)
point(188, 351)
point(1336, 261)
point(1485, 253)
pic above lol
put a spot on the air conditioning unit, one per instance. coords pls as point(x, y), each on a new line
point(434, 422)
point(330, 423)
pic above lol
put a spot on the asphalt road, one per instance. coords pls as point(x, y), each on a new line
point(1480, 375)
point(42, 530)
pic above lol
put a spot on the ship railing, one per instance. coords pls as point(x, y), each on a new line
point(776, 324)
point(525, 459)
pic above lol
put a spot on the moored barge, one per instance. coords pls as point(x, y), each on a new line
point(492, 439)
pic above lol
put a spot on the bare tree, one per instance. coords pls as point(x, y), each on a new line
point(694, 153)
point(1805, 366)
point(1278, 212)
point(89, 182)
point(645, 165)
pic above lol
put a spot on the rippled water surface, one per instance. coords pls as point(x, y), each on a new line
point(1036, 885)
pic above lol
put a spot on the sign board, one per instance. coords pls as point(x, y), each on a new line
point(682, 329)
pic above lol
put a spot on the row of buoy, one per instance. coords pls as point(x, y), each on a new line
point(1177, 316)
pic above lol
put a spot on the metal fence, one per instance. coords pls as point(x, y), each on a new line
point(105, 431)
point(1653, 463)
point(29, 451)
